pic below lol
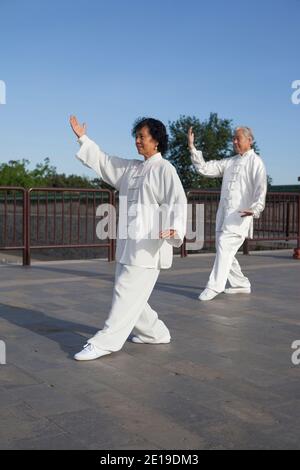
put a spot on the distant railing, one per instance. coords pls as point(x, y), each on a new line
point(51, 218)
point(279, 221)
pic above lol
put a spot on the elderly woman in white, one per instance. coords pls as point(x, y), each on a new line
point(243, 197)
point(148, 185)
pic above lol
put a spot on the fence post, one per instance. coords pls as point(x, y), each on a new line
point(246, 247)
point(26, 229)
point(183, 252)
point(297, 250)
point(287, 227)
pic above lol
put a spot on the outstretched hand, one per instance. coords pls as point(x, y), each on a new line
point(191, 137)
point(77, 128)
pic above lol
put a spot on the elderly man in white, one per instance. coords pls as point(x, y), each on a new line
point(148, 186)
point(243, 197)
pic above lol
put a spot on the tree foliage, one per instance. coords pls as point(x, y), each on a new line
point(17, 173)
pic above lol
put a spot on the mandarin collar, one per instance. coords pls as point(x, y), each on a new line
point(249, 152)
point(154, 158)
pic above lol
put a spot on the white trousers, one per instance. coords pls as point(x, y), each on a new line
point(226, 266)
point(130, 310)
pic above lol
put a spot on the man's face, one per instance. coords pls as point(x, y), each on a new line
point(145, 143)
point(241, 143)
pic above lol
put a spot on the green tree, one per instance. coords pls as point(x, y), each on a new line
point(98, 183)
point(15, 173)
point(68, 181)
point(270, 181)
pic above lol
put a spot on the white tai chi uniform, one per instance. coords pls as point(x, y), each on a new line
point(244, 187)
point(149, 186)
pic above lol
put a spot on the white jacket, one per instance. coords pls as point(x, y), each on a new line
point(148, 186)
point(244, 187)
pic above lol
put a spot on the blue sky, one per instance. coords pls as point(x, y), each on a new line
point(109, 62)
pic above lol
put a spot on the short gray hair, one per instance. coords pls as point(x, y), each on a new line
point(247, 131)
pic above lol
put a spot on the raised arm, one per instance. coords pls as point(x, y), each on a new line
point(109, 169)
point(213, 168)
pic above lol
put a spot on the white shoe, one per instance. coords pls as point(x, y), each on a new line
point(136, 339)
point(208, 294)
point(238, 290)
point(90, 352)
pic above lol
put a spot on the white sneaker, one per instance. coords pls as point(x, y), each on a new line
point(238, 290)
point(136, 339)
point(208, 294)
point(90, 352)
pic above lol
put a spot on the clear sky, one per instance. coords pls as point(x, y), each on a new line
point(111, 61)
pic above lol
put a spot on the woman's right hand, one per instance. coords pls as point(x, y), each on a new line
point(191, 138)
point(77, 128)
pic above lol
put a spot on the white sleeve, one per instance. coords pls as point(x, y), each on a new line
point(110, 169)
point(212, 168)
point(174, 206)
point(259, 189)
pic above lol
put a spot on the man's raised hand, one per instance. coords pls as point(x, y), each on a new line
point(191, 137)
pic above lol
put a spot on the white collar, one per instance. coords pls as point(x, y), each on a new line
point(249, 152)
point(154, 158)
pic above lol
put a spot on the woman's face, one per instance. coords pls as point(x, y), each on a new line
point(145, 143)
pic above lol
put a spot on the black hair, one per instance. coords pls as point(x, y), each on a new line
point(157, 130)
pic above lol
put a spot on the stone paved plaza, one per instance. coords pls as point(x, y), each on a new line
point(225, 382)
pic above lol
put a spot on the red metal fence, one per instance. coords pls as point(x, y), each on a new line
point(51, 218)
point(279, 221)
point(45, 218)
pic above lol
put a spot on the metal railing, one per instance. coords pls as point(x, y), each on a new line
point(280, 220)
point(51, 218)
point(45, 218)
